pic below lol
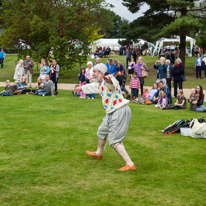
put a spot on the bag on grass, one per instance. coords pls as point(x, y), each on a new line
point(147, 102)
point(198, 130)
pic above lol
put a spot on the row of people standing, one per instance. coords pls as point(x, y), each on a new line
point(200, 64)
point(168, 73)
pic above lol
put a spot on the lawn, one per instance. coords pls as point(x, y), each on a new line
point(71, 76)
point(43, 161)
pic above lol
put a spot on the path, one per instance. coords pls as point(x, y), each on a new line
point(65, 86)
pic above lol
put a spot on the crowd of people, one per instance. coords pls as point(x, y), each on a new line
point(47, 79)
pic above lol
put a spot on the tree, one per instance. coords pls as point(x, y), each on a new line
point(57, 25)
point(169, 17)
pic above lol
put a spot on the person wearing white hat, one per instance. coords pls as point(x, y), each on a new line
point(118, 114)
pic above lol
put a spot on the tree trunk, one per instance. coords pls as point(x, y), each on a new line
point(182, 46)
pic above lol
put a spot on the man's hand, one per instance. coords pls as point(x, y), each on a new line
point(30, 63)
point(107, 79)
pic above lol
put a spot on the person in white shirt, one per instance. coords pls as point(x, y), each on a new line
point(204, 64)
point(118, 114)
point(42, 75)
point(198, 66)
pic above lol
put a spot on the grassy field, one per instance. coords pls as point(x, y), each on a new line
point(71, 76)
point(43, 161)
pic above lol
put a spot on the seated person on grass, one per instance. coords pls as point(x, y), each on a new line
point(181, 101)
point(7, 90)
point(48, 86)
point(23, 86)
point(166, 90)
point(162, 101)
point(15, 90)
point(153, 91)
point(39, 87)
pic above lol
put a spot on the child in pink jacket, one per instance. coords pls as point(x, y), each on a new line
point(134, 86)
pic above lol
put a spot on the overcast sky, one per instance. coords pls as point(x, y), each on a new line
point(124, 12)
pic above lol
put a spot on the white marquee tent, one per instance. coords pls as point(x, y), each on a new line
point(112, 43)
point(160, 42)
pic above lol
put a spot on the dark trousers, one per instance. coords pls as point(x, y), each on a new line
point(174, 107)
point(205, 72)
point(26, 91)
point(141, 86)
point(169, 83)
point(198, 71)
point(175, 87)
point(127, 60)
point(1, 62)
point(55, 82)
point(134, 92)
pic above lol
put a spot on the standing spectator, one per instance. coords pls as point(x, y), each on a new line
point(28, 68)
point(131, 67)
point(177, 74)
point(196, 50)
point(161, 70)
point(89, 77)
point(19, 71)
point(198, 65)
point(97, 61)
point(45, 66)
point(134, 55)
point(171, 57)
point(138, 68)
point(204, 65)
point(134, 86)
point(111, 67)
point(172, 47)
point(193, 52)
point(2, 57)
point(128, 56)
point(54, 74)
point(168, 73)
point(48, 86)
point(200, 106)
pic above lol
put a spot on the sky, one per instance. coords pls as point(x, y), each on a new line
point(124, 12)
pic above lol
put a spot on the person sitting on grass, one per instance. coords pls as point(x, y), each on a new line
point(193, 97)
point(118, 114)
point(162, 101)
point(8, 90)
point(39, 87)
point(134, 86)
point(153, 91)
point(48, 86)
point(15, 90)
point(145, 93)
point(181, 101)
point(23, 86)
point(200, 106)
point(166, 90)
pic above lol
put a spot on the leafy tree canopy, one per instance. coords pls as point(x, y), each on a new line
point(58, 25)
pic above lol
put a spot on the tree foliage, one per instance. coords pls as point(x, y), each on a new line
point(166, 18)
point(57, 25)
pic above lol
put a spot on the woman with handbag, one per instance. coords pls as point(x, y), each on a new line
point(89, 77)
point(121, 76)
point(178, 75)
point(140, 68)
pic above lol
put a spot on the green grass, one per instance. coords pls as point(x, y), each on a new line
point(71, 76)
point(43, 161)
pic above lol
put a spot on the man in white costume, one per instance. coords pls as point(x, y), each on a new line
point(118, 114)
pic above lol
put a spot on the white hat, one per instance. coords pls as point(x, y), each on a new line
point(101, 67)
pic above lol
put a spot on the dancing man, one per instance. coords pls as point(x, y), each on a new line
point(118, 114)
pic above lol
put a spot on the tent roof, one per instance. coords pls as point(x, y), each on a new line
point(176, 39)
point(107, 42)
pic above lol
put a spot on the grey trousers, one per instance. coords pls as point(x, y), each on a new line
point(115, 125)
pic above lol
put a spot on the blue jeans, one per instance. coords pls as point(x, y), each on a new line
point(45, 93)
point(134, 92)
point(91, 95)
point(201, 108)
point(6, 94)
point(40, 91)
point(1, 62)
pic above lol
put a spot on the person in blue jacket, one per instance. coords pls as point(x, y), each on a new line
point(46, 67)
point(166, 90)
point(111, 68)
point(198, 65)
point(2, 57)
point(177, 73)
point(162, 70)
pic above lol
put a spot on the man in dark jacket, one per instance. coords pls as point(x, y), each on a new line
point(171, 57)
point(168, 73)
point(28, 68)
point(166, 90)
